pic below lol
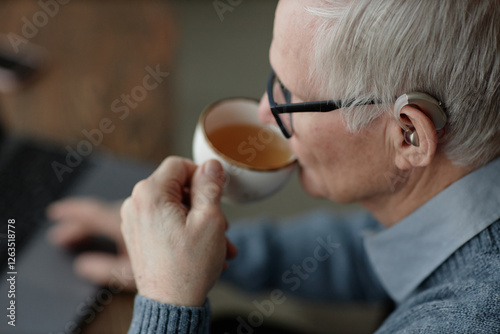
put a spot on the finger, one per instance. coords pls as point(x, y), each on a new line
point(231, 250)
point(106, 270)
point(67, 234)
point(87, 217)
point(207, 186)
point(70, 207)
point(172, 176)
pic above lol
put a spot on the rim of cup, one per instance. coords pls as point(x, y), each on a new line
point(274, 129)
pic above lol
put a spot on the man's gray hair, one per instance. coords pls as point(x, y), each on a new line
point(381, 49)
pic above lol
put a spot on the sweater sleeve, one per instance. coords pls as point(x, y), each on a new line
point(318, 256)
point(155, 317)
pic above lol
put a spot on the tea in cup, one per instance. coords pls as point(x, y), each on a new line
point(256, 158)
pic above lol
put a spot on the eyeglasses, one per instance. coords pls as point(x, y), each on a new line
point(280, 101)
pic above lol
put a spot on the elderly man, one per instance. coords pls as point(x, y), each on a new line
point(410, 130)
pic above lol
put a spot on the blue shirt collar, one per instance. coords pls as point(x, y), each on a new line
point(408, 252)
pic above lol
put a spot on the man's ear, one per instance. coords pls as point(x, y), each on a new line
point(409, 156)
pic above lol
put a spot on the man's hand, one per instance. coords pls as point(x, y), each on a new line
point(175, 232)
point(78, 219)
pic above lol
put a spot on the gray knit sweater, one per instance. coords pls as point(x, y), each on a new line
point(452, 243)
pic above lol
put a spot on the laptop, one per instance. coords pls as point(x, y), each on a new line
point(39, 292)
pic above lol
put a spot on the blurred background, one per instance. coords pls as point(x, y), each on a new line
point(100, 51)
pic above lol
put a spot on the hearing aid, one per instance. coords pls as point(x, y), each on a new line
point(428, 105)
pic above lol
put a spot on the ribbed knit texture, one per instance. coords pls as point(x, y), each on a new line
point(461, 296)
point(151, 317)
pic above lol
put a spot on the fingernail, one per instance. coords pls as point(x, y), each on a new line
point(213, 169)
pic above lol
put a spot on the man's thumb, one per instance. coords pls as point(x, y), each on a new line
point(208, 183)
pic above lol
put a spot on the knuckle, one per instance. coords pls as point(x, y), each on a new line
point(217, 223)
point(125, 221)
point(140, 189)
point(171, 161)
point(210, 217)
point(173, 189)
point(174, 212)
point(125, 208)
point(176, 159)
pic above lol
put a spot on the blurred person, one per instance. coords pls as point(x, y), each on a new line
point(430, 239)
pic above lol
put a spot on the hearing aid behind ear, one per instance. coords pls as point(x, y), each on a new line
point(428, 105)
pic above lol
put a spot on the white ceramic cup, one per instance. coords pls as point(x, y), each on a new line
point(244, 183)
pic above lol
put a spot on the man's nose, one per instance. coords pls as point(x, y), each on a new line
point(265, 114)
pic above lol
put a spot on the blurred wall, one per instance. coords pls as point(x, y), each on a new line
point(100, 53)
